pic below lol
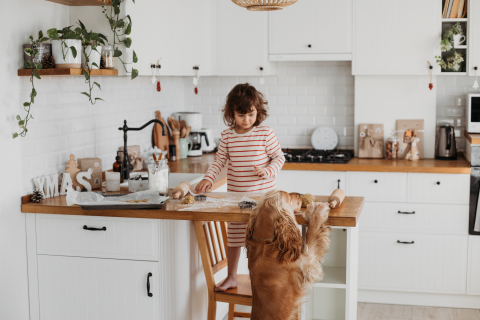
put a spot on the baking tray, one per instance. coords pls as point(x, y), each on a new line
point(139, 206)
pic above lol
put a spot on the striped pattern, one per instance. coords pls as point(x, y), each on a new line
point(258, 147)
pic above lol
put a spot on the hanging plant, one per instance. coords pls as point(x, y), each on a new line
point(121, 28)
point(453, 61)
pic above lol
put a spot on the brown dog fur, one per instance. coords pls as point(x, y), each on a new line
point(283, 267)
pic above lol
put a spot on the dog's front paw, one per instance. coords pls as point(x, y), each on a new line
point(317, 212)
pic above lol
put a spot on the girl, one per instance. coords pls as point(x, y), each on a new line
point(254, 159)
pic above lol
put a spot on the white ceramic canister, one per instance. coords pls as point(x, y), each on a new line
point(93, 56)
point(193, 119)
point(69, 61)
point(112, 181)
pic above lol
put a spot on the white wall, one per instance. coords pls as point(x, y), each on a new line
point(384, 99)
point(18, 20)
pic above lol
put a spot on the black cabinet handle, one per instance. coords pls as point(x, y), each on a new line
point(438, 183)
point(148, 285)
point(94, 229)
point(376, 181)
point(405, 242)
point(338, 186)
point(405, 212)
point(309, 45)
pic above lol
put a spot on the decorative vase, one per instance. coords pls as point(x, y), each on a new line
point(44, 49)
point(69, 61)
point(93, 56)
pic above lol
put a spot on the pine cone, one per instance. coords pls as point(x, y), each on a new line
point(37, 196)
point(48, 62)
point(102, 62)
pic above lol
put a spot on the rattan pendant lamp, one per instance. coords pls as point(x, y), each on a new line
point(264, 5)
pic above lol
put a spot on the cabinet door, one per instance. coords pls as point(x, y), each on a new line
point(433, 263)
point(438, 188)
point(395, 37)
point(473, 280)
point(242, 41)
point(323, 24)
point(377, 186)
point(473, 37)
point(86, 288)
point(320, 183)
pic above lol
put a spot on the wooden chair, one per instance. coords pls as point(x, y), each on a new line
point(212, 246)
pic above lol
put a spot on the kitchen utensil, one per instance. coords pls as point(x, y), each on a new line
point(194, 119)
point(183, 124)
point(181, 190)
point(185, 147)
point(176, 142)
point(188, 131)
point(183, 132)
point(324, 138)
point(336, 198)
point(160, 141)
point(209, 134)
point(196, 138)
point(445, 146)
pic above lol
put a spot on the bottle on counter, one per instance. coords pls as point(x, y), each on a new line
point(392, 146)
point(158, 172)
point(117, 166)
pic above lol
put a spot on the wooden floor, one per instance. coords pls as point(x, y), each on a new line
point(373, 311)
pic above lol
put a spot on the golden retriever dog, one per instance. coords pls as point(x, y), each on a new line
point(282, 266)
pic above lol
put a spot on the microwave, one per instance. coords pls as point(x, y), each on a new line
point(473, 113)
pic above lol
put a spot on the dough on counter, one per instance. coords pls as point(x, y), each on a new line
point(307, 198)
point(189, 199)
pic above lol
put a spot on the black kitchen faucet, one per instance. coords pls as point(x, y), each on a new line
point(125, 128)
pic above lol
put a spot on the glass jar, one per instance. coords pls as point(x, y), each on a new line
point(107, 56)
point(158, 172)
point(392, 146)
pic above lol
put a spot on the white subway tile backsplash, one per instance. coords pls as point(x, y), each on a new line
point(286, 100)
point(306, 80)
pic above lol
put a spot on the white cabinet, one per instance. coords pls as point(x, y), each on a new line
point(242, 44)
point(312, 30)
point(86, 288)
point(321, 183)
point(377, 186)
point(396, 37)
point(473, 278)
point(418, 263)
point(473, 37)
point(439, 188)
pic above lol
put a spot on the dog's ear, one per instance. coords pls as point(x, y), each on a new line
point(250, 227)
point(288, 240)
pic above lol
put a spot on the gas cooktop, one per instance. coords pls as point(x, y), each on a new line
point(317, 156)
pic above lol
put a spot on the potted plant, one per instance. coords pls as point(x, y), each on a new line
point(66, 44)
point(452, 62)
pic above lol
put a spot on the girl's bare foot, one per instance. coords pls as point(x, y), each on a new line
point(229, 283)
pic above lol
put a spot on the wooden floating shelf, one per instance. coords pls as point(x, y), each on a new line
point(455, 20)
point(67, 72)
point(78, 3)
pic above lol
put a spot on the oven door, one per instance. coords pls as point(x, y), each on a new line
point(474, 198)
point(473, 113)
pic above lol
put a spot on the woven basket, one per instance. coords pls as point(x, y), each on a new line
point(264, 5)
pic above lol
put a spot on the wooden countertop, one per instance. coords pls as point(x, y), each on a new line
point(346, 215)
point(473, 138)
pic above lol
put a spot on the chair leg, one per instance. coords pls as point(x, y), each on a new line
point(231, 311)
point(212, 309)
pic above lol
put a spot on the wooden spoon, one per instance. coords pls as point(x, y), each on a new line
point(183, 132)
point(183, 124)
point(188, 131)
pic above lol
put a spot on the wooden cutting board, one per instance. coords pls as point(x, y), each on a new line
point(160, 141)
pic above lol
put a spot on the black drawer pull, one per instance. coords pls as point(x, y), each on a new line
point(338, 186)
point(376, 181)
point(148, 285)
point(309, 45)
point(405, 242)
point(94, 229)
point(405, 212)
point(438, 183)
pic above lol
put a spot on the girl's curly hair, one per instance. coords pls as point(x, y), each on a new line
point(242, 98)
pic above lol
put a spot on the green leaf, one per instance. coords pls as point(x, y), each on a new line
point(33, 94)
point(135, 58)
point(128, 30)
point(74, 51)
point(98, 85)
point(28, 64)
point(39, 66)
point(15, 135)
point(28, 51)
point(102, 36)
point(116, 9)
point(40, 34)
point(86, 95)
point(18, 117)
point(128, 42)
point(94, 36)
point(117, 53)
point(36, 75)
point(21, 123)
point(31, 38)
point(99, 99)
point(87, 76)
point(95, 64)
point(43, 39)
point(134, 73)
point(81, 24)
point(53, 34)
point(115, 2)
point(120, 24)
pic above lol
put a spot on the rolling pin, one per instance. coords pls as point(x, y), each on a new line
point(336, 198)
point(181, 190)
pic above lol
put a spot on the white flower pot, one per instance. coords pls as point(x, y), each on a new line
point(69, 61)
point(93, 56)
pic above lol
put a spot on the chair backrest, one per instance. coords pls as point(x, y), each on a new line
point(212, 242)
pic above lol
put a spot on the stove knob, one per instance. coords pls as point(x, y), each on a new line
point(320, 159)
point(299, 158)
point(289, 158)
point(312, 158)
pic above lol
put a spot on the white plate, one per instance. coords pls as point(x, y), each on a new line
point(324, 138)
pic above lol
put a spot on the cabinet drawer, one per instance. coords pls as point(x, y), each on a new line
point(433, 263)
point(438, 188)
point(377, 186)
point(124, 238)
point(410, 217)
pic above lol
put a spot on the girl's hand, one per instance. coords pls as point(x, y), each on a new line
point(260, 172)
point(203, 186)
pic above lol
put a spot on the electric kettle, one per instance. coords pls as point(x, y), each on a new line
point(445, 146)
